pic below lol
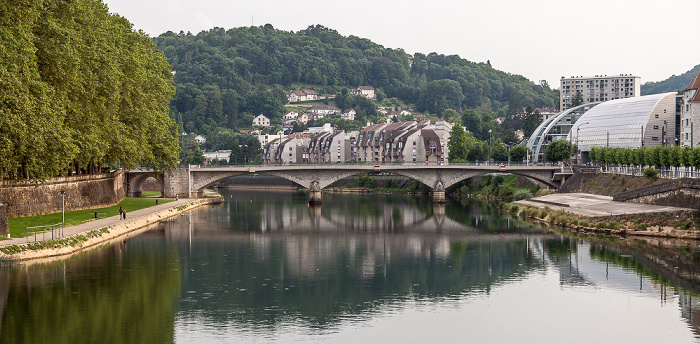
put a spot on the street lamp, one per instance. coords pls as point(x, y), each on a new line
point(577, 149)
point(489, 146)
point(63, 208)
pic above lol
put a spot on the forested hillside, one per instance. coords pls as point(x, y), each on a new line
point(79, 90)
point(225, 77)
point(672, 84)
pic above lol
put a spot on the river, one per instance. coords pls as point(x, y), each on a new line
point(266, 267)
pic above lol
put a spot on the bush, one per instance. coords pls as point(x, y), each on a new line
point(651, 173)
point(522, 194)
point(683, 225)
point(536, 188)
point(514, 208)
point(504, 191)
point(584, 223)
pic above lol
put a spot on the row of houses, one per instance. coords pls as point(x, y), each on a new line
point(402, 142)
point(310, 95)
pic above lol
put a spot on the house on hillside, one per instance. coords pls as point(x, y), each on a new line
point(324, 110)
point(261, 121)
point(365, 91)
point(200, 139)
point(348, 114)
point(301, 95)
point(310, 94)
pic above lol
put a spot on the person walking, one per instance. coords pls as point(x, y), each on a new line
point(124, 214)
point(121, 212)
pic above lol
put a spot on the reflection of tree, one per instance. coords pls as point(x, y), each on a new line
point(127, 301)
point(667, 266)
point(322, 279)
point(484, 215)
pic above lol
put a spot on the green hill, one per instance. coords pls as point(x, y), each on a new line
point(225, 77)
point(672, 84)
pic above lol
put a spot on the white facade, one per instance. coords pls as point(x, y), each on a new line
point(599, 88)
point(690, 114)
point(218, 155)
point(261, 121)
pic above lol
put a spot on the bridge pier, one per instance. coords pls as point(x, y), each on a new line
point(315, 194)
point(134, 193)
point(439, 193)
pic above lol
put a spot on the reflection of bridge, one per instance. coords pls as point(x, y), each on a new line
point(190, 180)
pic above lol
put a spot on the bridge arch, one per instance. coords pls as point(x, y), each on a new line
point(135, 180)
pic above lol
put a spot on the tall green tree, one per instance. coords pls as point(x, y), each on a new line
point(558, 150)
point(457, 144)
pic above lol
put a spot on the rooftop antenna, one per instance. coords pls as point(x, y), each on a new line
point(251, 20)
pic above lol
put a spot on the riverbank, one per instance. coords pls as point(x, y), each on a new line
point(95, 233)
point(589, 213)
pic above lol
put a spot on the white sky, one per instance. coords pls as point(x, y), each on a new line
point(539, 39)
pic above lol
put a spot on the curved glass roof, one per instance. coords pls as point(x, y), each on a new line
point(624, 122)
point(555, 128)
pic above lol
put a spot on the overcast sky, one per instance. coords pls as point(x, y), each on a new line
point(539, 39)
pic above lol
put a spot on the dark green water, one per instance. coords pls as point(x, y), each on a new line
point(266, 267)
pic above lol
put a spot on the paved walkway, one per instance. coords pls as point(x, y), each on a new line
point(593, 205)
point(100, 223)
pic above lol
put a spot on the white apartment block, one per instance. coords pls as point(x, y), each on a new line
point(690, 114)
point(598, 88)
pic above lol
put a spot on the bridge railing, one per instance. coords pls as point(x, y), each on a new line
point(369, 163)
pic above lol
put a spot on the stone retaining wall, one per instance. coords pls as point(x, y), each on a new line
point(81, 192)
point(678, 193)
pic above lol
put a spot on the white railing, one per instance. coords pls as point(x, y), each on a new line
point(664, 172)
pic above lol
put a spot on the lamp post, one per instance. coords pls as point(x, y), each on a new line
point(489, 146)
point(578, 151)
point(63, 208)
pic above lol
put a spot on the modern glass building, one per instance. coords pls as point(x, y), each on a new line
point(557, 127)
point(631, 122)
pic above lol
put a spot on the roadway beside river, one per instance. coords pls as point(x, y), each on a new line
point(94, 233)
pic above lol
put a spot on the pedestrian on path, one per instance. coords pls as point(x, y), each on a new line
point(124, 214)
point(121, 212)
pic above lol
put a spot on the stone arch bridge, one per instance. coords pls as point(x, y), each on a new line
point(191, 180)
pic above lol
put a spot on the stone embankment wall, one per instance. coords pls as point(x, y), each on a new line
point(81, 192)
point(683, 193)
point(4, 225)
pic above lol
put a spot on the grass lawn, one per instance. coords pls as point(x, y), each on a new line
point(18, 225)
point(150, 194)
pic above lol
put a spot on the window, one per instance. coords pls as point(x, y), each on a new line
point(656, 127)
point(655, 138)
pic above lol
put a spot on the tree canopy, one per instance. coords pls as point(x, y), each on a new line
point(224, 77)
point(80, 89)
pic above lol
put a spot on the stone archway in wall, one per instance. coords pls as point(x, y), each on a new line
point(135, 182)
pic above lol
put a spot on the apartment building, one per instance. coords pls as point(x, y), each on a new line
point(690, 113)
point(599, 88)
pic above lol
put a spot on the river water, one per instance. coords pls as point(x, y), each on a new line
point(265, 267)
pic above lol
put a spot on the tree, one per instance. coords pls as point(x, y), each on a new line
point(457, 144)
point(499, 151)
point(531, 121)
point(518, 153)
point(577, 99)
point(558, 150)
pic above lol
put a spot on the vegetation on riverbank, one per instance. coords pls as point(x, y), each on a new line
point(669, 224)
point(18, 225)
point(498, 186)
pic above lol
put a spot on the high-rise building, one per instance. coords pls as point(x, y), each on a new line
point(599, 88)
point(690, 113)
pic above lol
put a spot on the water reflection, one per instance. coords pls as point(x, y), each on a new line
point(268, 267)
point(119, 294)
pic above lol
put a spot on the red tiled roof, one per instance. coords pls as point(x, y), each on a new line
point(695, 85)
